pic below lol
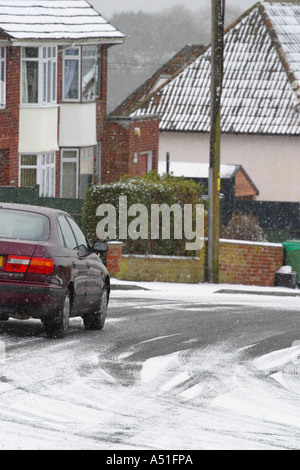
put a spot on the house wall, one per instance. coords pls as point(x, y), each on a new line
point(115, 152)
point(143, 138)
point(77, 125)
point(125, 144)
point(272, 162)
point(9, 121)
point(38, 130)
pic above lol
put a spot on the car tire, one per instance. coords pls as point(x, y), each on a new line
point(59, 329)
point(96, 320)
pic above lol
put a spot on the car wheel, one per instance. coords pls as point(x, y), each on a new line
point(59, 329)
point(96, 320)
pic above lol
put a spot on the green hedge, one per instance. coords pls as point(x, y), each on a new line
point(147, 190)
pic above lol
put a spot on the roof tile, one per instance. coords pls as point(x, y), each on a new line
point(261, 61)
point(54, 20)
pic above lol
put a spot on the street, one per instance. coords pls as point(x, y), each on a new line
point(171, 370)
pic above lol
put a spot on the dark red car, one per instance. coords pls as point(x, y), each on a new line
point(49, 270)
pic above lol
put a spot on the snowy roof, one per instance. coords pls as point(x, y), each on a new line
point(261, 63)
point(54, 20)
point(196, 170)
point(177, 63)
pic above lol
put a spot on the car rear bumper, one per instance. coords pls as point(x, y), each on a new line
point(35, 301)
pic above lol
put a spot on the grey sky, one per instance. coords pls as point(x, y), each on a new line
point(108, 7)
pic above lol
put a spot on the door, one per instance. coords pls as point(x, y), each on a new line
point(78, 264)
point(94, 279)
point(69, 172)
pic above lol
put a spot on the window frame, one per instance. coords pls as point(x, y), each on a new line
point(45, 172)
point(75, 232)
point(3, 74)
point(81, 58)
point(70, 160)
point(74, 58)
point(47, 71)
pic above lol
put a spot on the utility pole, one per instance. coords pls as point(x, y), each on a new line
point(214, 181)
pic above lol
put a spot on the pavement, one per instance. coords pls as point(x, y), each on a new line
point(216, 288)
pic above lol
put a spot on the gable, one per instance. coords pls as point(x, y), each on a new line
point(243, 185)
point(258, 97)
point(54, 20)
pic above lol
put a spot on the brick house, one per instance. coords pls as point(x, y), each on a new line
point(132, 143)
point(260, 102)
point(131, 147)
point(53, 96)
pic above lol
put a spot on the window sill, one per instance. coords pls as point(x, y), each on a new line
point(39, 106)
point(80, 102)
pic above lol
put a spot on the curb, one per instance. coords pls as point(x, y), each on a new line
point(127, 287)
point(277, 294)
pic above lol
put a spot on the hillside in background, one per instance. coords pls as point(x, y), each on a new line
point(153, 38)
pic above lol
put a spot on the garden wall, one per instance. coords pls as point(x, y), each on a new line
point(246, 263)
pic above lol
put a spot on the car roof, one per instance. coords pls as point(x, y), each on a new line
point(31, 208)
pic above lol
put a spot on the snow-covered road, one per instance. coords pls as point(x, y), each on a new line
point(92, 391)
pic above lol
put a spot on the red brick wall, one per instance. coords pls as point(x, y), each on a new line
point(9, 121)
point(123, 147)
point(240, 263)
point(148, 141)
point(115, 152)
point(9, 117)
point(249, 263)
point(102, 101)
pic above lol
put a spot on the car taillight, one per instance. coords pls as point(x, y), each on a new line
point(23, 264)
point(17, 264)
point(41, 266)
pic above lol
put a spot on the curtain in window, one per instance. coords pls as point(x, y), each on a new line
point(30, 74)
point(71, 74)
point(90, 72)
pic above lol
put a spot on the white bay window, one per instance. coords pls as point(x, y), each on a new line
point(81, 81)
point(38, 169)
point(39, 75)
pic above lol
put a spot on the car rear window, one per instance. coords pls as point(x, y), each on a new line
point(22, 225)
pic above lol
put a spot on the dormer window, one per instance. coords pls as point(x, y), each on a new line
point(81, 74)
point(39, 75)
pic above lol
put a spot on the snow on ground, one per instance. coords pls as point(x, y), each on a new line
point(223, 293)
point(251, 397)
point(194, 398)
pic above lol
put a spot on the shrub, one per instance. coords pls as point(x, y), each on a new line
point(244, 227)
point(147, 189)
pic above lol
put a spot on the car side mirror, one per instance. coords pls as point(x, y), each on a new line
point(100, 246)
